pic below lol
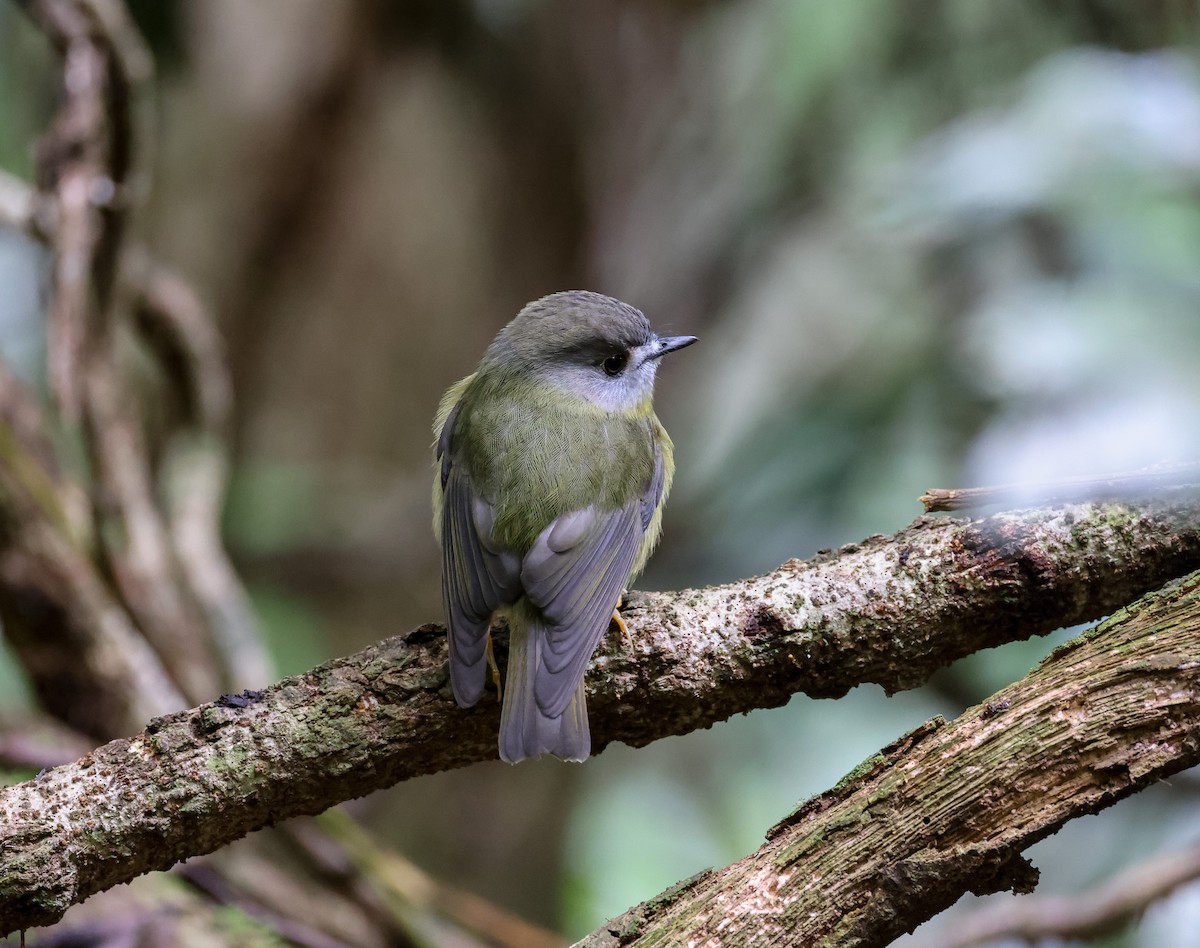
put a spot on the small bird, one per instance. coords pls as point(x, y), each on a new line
point(551, 474)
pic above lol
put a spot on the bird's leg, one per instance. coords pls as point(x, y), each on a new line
point(490, 653)
point(620, 623)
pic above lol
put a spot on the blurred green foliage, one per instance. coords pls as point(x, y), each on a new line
point(923, 243)
point(26, 90)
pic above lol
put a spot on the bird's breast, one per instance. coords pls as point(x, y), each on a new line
point(534, 462)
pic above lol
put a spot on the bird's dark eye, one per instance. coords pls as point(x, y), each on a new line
point(615, 363)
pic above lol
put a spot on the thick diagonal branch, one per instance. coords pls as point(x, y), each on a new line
point(889, 611)
point(950, 808)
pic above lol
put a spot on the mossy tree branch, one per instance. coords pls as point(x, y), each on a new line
point(890, 610)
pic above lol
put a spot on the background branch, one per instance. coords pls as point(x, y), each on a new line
point(1067, 490)
point(194, 470)
point(167, 568)
point(85, 163)
point(1101, 911)
point(88, 663)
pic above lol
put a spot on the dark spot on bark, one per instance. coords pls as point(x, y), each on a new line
point(762, 622)
point(995, 707)
point(243, 700)
point(424, 634)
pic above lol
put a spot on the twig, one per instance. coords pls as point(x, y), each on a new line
point(174, 322)
point(195, 473)
point(84, 165)
point(214, 884)
point(52, 604)
point(32, 460)
point(1104, 910)
point(142, 559)
point(84, 657)
point(303, 873)
point(39, 743)
point(889, 611)
point(1069, 490)
point(410, 890)
point(86, 169)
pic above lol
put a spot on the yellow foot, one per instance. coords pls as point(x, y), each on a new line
point(491, 660)
point(621, 626)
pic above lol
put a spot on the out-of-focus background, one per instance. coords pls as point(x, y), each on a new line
point(924, 244)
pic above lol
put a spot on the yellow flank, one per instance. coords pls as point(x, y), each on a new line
point(654, 530)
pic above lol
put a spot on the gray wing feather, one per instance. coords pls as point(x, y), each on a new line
point(574, 574)
point(477, 576)
point(443, 443)
point(653, 496)
point(576, 590)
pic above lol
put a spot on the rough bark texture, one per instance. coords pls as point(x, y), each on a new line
point(949, 808)
point(888, 610)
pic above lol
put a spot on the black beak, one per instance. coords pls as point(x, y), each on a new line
point(667, 344)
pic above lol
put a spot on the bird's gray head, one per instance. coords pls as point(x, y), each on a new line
point(588, 344)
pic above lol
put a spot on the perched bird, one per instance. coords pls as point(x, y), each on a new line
point(551, 473)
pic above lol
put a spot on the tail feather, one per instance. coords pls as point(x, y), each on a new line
point(525, 731)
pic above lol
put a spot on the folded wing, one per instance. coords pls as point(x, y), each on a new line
point(574, 575)
point(477, 576)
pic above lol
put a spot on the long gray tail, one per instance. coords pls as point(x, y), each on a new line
point(525, 731)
